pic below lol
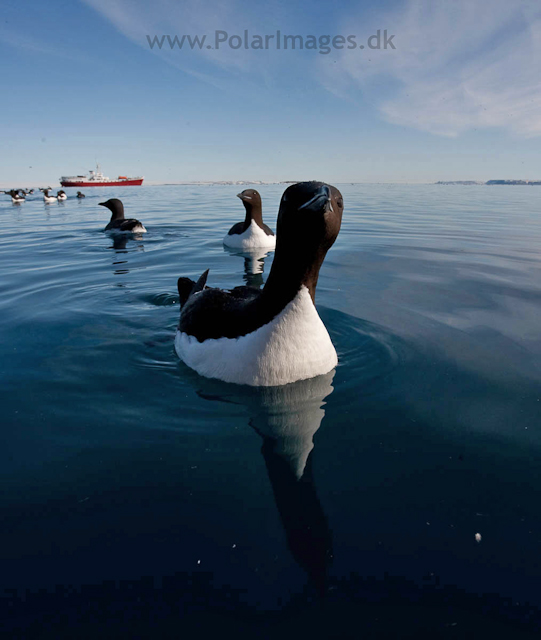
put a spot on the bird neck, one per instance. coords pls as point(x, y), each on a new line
point(293, 268)
point(117, 213)
point(253, 212)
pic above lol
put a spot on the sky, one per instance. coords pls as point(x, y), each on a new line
point(456, 95)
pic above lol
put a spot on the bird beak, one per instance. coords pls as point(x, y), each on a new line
point(102, 204)
point(314, 203)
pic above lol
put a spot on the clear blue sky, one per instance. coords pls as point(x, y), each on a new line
point(458, 98)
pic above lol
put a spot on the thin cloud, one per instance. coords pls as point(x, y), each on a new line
point(24, 42)
point(457, 66)
point(138, 19)
point(254, 68)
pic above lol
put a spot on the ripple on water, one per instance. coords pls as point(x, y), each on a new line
point(160, 299)
point(367, 354)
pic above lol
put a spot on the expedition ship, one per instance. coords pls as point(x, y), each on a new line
point(97, 179)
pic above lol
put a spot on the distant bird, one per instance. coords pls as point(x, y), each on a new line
point(252, 233)
point(46, 195)
point(16, 196)
point(61, 195)
point(80, 195)
point(118, 222)
point(272, 336)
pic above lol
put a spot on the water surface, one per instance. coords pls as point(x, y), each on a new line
point(140, 498)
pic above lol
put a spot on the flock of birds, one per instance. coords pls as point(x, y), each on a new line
point(260, 337)
point(18, 196)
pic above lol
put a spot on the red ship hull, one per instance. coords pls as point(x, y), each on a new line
point(96, 183)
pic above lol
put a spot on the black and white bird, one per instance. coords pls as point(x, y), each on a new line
point(252, 233)
point(271, 336)
point(118, 222)
point(47, 197)
point(17, 195)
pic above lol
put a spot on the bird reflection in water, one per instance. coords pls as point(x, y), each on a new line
point(254, 264)
point(120, 242)
point(287, 417)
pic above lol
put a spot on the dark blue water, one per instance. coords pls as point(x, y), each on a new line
point(141, 500)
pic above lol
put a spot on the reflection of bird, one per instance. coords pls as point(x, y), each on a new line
point(287, 417)
point(119, 242)
point(253, 232)
point(254, 264)
point(307, 530)
point(273, 336)
point(253, 273)
point(118, 222)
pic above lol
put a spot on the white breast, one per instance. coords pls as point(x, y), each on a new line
point(252, 238)
point(294, 346)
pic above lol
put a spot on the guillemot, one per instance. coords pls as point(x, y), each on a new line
point(80, 195)
point(16, 196)
point(61, 195)
point(118, 222)
point(273, 336)
point(252, 233)
point(47, 197)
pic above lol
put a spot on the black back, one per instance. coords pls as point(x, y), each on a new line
point(128, 224)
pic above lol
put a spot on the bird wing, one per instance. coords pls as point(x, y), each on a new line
point(129, 224)
point(186, 287)
point(236, 229)
point(215, 313)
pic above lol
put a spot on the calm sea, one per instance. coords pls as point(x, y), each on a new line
point(140, 500)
